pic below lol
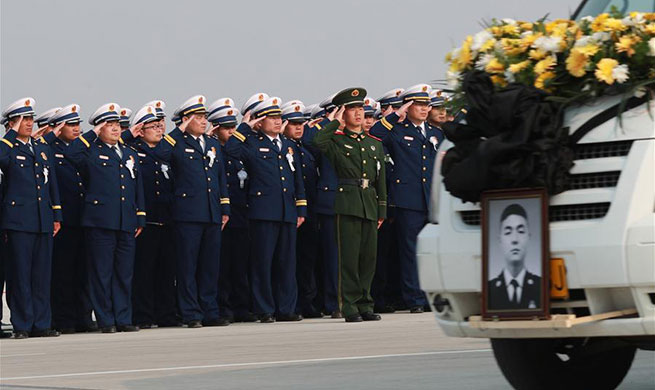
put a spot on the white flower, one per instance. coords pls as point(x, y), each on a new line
point(620, 73)
point(453, 79)
point(455, 52)
point(480, 39)
point(651, 46)
point(587, 19)
point(509, 76)
point(601, 36)
point(584, 41)
point(509, 21)
point(482, 62)
point(526, 34)
point(548, 44)
point(630, 21)
point(640, 92)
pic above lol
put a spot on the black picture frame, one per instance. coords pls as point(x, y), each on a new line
point(509, 231)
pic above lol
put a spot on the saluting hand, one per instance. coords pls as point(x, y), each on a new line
point(16, 125)
point(57, 129)
point(186, 120)
point(97, 128)
point(137, 130)
point(252, 122)
point(39, 132)
point(313, 122)
point(339, 117)
point(387, 110)
point(55, 228)
point(301, 220)
point(402, 111)
point(224, 220)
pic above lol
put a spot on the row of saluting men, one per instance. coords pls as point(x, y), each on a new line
point(240, 223)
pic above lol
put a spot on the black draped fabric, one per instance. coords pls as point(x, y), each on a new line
point(512, 138)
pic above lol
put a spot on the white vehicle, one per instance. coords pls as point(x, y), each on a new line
point(603, 228)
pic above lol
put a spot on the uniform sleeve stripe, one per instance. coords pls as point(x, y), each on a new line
point(169, 139)
point(239, 136)
point(386, 123)
point(85, 142)
point(318, 126)
point(8, 143)
point(141, 213)
point(225, 200)
point(301, 203)
point(56, 207)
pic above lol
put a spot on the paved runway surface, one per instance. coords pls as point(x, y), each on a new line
point(403, 351)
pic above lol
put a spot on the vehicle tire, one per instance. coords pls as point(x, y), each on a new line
point(563, 363)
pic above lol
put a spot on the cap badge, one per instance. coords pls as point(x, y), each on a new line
point(200, 99)
point(227, 101)
point(274, 101)
point(111, 107)
point(297, 108)
point(74, 108)
point(438, 93)
point(398, 92)
point(27, 102)
point(230, 112)
point(355, 93)
point(158, 105)
point(260, 97)
point(425, 88)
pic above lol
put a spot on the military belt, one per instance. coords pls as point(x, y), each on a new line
point(362, 183)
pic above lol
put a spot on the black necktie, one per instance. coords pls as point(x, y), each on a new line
point(117, 151)
point(277, 144)
point(515, 295)
point(29, 146)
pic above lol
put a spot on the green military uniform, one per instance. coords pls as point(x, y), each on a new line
point(361, 200)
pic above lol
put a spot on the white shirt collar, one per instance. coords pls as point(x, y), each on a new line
point(520, 278)
point(272, 138)
point(23, 142)
point(111, 146)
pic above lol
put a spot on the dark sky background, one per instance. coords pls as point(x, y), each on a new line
point(130, 52)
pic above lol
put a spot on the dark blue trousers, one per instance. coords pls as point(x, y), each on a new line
point(110, 262)
point(308, 259)
point(233, 285)
point(29, 261)
point(198, 264)
point(408, 225)
point(154, 299)
point(71, 305)
point(329, 261)
point(386, 257)
point(273, 267)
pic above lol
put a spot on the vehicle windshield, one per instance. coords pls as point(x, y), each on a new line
point(596, 7)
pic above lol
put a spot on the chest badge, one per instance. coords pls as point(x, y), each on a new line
point(373, 148)
point(347, 146)
point(44, 156)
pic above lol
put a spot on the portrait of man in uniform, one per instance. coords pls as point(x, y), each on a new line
point(515, 255)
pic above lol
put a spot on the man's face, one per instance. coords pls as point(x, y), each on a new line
point(70, 131)
point(161, 124)
point(354, 116)
point(272, 124)
point(224, 133)
point(294, 130)
point(110, 133)
point(418, 111)
point(197, 127)
point(369, 121)
point(438, 115)
point(25, 128)
point(514, 238)
point(152, 133)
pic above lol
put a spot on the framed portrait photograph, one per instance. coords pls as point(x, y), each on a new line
point(515, 254)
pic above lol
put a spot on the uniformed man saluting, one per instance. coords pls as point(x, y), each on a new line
point(31, 215)
point(361, 200)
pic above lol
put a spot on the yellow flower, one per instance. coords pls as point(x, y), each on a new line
point(604, 70)
point(612, 24)
point(526, 26)
point(576, 62)
point(537, 54)
point(649, 16)
point(649, 29)
point(487, 45)
point(510, 29)
point(519, 66)
point(513, 47)
point(545, 65)
point(496, 31)
point(465, 57)
point(498, 80)
point(589, 49)
point(556, 29)
point(528, 40)
point(625, 43)
point(599, 23)
point(494, 66)
point(540, 82)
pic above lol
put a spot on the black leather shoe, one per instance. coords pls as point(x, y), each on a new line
point(249, 317)
point(108, 329)
point(312, 314)
point(354, 318)
point(127, 328)
point(87, 328)
point(427, 309)
point(385, 309)
point(370, 316)
point(194, 324)
point(216, 322)
point(67, 330)
point(21, 334)
point(45, 333)
point(266, 319)
point(288, 317)
point(336, 314)
point(169, 324)
point(146, 326)
point(416, 309)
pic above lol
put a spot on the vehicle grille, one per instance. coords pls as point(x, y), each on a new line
point(579, 212)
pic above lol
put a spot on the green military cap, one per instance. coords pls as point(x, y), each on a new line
point(349, 96)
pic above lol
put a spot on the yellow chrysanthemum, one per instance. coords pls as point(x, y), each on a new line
point(526, 26)
point(589, 49)
point(537, 54)
point(604, 70)
point(649, 16)
point(556, 29)
point(545, 65)
point(465, 57)
point(626, 43)
point(650, 29)
point(510, 29)
point(513, 46)
point(488, 45)
point(519, 66)
point(498, 80)
point(496, 31)
point(528, 40)
point(540, 82)
point(494, 66)
point(576, 63)
point(612, 24)
point(599, 23)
